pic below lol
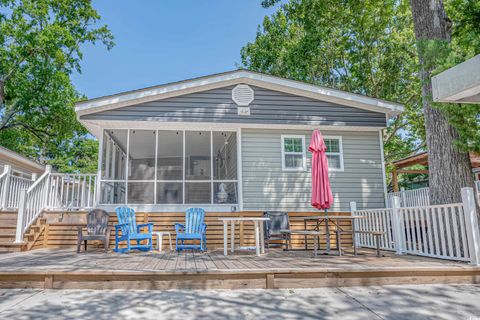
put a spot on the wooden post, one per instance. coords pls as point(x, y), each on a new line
point(21, 216)
point(34, 176)
point(397, 226)
point(6, 187)
point(471, 224)
point(395, 180)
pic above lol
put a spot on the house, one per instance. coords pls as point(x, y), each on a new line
point(403, 166)
point(459, 84)
point(235, 141)
point(20, 166)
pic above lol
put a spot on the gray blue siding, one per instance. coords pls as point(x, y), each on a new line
point(269, 107)
point(267, 187)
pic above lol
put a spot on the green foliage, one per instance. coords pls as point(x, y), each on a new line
point(40, 43)
point(369, 47)
point(439, 55)
point(366, 47)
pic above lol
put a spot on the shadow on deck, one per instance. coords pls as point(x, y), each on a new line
point(64, 269)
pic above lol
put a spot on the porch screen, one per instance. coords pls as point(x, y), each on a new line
point(171, 167)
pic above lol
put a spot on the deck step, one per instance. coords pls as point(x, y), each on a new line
point(11, 246)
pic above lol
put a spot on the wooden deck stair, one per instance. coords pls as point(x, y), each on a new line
point(8, 223)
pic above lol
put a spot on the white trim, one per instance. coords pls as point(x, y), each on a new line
point(237, 77)
point(127, 172)
point(155, 176)
point(172, 207)
point(184, 167)
point(382, 155)
point(340, 147)
point(96, 126)
point(239, 169)
point(99, 170)
point(303, 153)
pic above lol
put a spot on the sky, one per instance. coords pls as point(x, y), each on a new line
point(160, 41)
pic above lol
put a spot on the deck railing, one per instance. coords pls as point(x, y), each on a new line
point(72, 191)
point(418, 197)
point(54, 191)
point(410, 198)
point(448, 231)
point(10, 186)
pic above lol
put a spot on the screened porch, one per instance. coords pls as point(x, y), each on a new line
point(171, 169)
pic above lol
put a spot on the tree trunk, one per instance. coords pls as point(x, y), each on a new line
point(449, 168)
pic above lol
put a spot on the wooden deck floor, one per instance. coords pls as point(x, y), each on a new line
point(65, 269)
point(171, 261)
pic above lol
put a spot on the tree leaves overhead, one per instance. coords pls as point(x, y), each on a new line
point(366, 47)
point(40, 46)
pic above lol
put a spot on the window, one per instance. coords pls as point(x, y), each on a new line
point(334, 153)
point(169, 167)
point(293, 153)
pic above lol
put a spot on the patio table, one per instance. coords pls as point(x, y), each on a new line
point(259, 238)
point(326, 219)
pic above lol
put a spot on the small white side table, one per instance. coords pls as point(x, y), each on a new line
point(258, 228)
point(160, 239)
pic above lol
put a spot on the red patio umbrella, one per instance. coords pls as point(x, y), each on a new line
point(322, 197)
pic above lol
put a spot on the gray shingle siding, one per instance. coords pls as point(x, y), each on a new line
point(267, 187)
point(269, 107)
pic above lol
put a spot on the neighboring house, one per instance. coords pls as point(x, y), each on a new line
point(20, 165)
point(235, 141)
point(459, 84)
point(403, 166)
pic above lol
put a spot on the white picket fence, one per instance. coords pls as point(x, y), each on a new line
point(440, 231)
point(417, 197)
point(410, 198)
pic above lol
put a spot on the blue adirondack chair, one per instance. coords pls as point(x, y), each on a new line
point(194, 229)
point(127, 224)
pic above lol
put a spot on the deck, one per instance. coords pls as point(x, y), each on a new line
point(63, 269)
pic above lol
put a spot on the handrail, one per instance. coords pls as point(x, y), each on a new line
point(54, 191)
point(39, 180)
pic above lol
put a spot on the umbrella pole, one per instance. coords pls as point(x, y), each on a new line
point(327, 230)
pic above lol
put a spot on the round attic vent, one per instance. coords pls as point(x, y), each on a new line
point(242, 95)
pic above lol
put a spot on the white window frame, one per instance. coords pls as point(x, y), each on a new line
point(303, 153)
point(340, 147)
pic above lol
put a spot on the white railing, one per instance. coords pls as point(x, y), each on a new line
point(440, 231)
point(375, 220)
point(3, 188)
point(72, 191)
point(31, 204)
point(410, 198)
point(435, 231)
point(54, 191)
point(17, 184)
point(10, 186)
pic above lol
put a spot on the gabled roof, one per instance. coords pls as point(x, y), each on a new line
point(236, 77)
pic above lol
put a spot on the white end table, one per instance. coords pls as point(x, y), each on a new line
point(259, 238)
point(160, 239)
